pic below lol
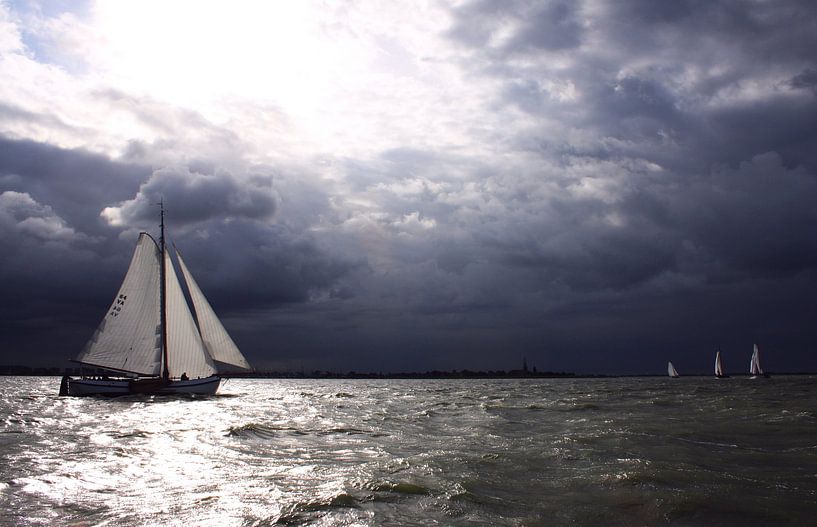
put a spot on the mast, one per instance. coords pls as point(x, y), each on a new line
point(163, 294)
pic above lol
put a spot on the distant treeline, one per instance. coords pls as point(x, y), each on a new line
point(435, 374)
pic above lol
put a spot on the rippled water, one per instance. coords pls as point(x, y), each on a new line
point(629, 451)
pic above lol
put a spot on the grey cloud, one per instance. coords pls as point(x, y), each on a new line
point(657, 194)
point(779, 124)
point(194, 197)
point(74, 183)
point(728, 28)
point(153, 113)
point(475, 22)
point(677, 224)
point(182, 136)
point(19, 212)
point(13, 113)
point(536, 26)
point(659, 234)
point(757, 218)
point(805, 79)
point(552, 26)
point(247, 265)
point(60, 262)
point(655, 68)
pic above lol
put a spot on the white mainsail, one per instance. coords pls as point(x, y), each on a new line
point(217, 341)
point(671, 370)
point(186, 352)
point(754, 364)
point(718, 365)
point(129, 337)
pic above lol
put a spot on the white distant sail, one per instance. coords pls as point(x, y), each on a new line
point(217, 342)
point(754, 364)
point(671, 370)
point(129, 337)
point(718, 365)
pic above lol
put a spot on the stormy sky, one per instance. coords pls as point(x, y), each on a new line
point(597, 186)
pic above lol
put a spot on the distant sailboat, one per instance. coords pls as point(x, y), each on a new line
point(754, 365)
point(719, 366)
point(671, 371)
point(149, 337)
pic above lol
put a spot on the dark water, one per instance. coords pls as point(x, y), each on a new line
point(692, 451)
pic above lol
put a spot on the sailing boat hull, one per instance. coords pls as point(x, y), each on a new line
point(114, 387)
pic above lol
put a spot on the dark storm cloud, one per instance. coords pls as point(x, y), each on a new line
point(768, 32)
point(777, 124)
point(757, 218)
point(661, 70)
point(225, 222)
point(675, 184)
point(751, 221)
point(61, 261)
point(806, 79)
point(644, 187)
point(74, 183)
point(197, 196)
point(249, 265)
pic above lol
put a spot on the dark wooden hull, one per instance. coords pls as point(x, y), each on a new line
point(149, 386)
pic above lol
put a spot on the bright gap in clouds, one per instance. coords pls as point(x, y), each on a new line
point(190, 53)
point(344, 75)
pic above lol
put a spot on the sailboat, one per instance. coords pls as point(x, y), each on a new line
point(719, 366)
point(149, 340)
point(754, 365)
point(671, 371)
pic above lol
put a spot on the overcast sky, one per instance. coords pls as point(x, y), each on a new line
point(597, 186)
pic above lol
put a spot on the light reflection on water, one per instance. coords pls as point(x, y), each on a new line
point(415, 452)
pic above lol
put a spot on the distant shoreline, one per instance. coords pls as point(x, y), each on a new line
point(28, 371)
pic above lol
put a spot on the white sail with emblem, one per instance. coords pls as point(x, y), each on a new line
point(129, 337)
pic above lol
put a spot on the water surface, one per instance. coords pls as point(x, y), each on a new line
point(626, 451)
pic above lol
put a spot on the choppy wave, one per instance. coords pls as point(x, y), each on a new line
point(259, 430)
point(400, 487)
point(303, 512)
point(135, 433)
point(375, 452)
